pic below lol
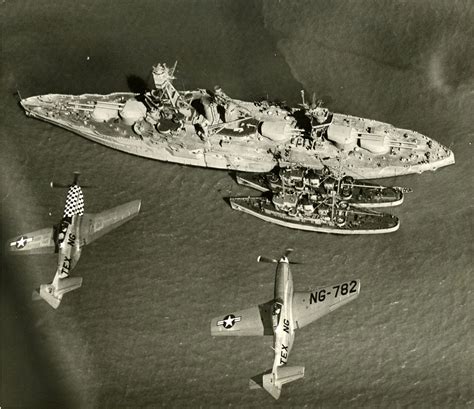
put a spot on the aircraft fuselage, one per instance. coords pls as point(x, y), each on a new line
point(284, 331)
point(69, 246)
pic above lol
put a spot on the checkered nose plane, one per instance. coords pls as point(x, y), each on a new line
point(74, 202)
point(68, 237)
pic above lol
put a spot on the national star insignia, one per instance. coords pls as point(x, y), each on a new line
point(21, 242)
point(229, 321)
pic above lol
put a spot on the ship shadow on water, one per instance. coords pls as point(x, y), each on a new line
point(136, 84)
point(227, 201)
point(233, 175)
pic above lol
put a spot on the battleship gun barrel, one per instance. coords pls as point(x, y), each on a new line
point(320, 126)
point(90, 107)
point(78, 108)
point(408, 144)
point(375, 137)
point(116, 104)
point(364, 186)
point(100, 104)
point(221, 126)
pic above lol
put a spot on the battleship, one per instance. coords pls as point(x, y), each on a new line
point(210, 129)
point(302, 212)
point(322, 184)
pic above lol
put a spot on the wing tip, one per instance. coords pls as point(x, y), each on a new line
point(137, 205)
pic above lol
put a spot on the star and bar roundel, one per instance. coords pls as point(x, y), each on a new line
point(228, 321)
point(21, 242)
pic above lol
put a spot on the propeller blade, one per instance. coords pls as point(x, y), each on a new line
point(74, 182)
point(263, 259)
point(53, 185)
point(60, 185)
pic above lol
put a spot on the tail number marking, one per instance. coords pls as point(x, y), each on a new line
point(286, 326)
point(340, 290)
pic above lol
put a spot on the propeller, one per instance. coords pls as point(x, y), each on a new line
point(55, 185)
point(263, 259)
point(74, 182)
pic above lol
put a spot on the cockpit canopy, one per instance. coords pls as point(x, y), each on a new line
point(276, 312)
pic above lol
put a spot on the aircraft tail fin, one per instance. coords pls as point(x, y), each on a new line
point(53, 294)
point(273, 382)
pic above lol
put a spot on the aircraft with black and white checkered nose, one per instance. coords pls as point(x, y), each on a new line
point(75, 230)
point(281, 317)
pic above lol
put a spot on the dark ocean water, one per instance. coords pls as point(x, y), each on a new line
point(136, 335)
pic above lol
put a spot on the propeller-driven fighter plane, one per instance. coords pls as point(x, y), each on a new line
point(74, 231)
point(281, 317)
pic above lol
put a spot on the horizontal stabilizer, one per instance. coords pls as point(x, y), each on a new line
point(273, 382)
point(68, 284)
point(53, 295)
point(287, 374)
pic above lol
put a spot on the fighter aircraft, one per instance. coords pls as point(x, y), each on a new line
point(280, 317)
point(75, 230)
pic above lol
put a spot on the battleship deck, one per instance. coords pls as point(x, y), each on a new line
point(239, 143)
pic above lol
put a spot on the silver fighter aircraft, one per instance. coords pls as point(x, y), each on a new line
point(281, 317)
point(74, 231)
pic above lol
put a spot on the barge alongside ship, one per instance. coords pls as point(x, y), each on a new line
point(323, 217)
point(323, 184)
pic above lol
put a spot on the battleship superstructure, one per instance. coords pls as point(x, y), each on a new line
point(210, 129)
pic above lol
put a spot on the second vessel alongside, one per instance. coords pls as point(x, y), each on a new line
point(302, 213)
point(323, 184)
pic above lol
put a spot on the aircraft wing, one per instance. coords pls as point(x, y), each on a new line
point(37, 242)
point(96, 225)
point(255, 321)
point(308, 306)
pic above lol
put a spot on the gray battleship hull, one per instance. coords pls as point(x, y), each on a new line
point(236, 148)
